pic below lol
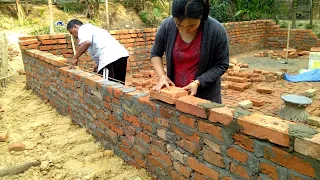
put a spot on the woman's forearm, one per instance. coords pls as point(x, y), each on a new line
point(158, 66)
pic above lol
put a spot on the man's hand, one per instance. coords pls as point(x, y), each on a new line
point(74, 61)
point(192, 88)
point(163, 81)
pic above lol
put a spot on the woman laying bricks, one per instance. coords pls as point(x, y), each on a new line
point(196, 48)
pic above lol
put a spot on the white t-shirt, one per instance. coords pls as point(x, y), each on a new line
point(104, 48)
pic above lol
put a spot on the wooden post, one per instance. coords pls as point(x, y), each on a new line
point(73, 47)
point(107, 12)
point(288, 39)
point(50, 16)
point(4, 59)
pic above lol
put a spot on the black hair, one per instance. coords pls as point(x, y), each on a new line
point(73, 22)
point(197, 9)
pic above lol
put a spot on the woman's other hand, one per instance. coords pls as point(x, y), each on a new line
point(192, 88)
point(163, 81)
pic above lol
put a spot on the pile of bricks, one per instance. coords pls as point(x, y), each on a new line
point(182, 137)
point(292, 54)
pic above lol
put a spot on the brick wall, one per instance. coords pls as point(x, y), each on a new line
point(190, 138)
point(243, 37)
point(300, 39)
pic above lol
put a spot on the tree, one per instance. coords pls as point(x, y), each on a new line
point(294, 13)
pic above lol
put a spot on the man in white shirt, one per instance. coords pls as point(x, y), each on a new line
point(110, 56)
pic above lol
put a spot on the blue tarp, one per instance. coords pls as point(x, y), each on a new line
point(309, 76)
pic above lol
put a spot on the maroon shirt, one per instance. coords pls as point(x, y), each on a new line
point(186, 57)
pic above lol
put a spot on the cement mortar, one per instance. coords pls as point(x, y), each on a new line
point(301, 131)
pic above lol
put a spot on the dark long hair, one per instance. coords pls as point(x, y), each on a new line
point(197, 9)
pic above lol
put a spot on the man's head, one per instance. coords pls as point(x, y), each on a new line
point(73, 27)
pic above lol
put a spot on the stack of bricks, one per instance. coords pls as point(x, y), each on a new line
point(182, 137)
point(300, 39)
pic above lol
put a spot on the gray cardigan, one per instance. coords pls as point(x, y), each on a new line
point(214, 56)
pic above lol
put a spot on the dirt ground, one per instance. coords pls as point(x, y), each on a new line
point(65, 150)
point(273, 65)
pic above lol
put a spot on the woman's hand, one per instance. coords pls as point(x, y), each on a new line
point(95, 67)
point(163, 81)
point(192, 88)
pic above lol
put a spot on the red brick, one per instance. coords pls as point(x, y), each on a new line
point(189, 121)
point(116, 129)
point(256, 79)
point(144, 137)
point(45, 48)
point(198, 176)
point(62, 46)
point(240, 170)
point(237, 79)
point(210, 129)
point(45, 42)
point(189, 146)
point(257, 102)
point(182, 169)
point(132, 119)
point(27, 37)
point(28, 42)
point(165, 112)
point(17, 146)
point(289, 161)
point(222, 115)
point(125, 150)
point(162, 156)
point(43, 37)
point(3, 136)
point(168, 95)
point(293, 177)
point(159, 143)
point(269, 170)
point(58, 36)
point(62, 41)
point(237, 86)
point(243, 141)
point(213, 158)
point(238, 155)
point(32, 46)
point(265, 90)
point(192, 105)
point(141, 162)
point(194, 138)
point(163, 122)
point(266, 127)
point(175, 175)
point(203, 169)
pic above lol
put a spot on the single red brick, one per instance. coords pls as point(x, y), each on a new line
point(175, 175)
point(141, 162)
point(58, 36)
point(237, 86)
point(168, 95)
point(192, 105)
point(237, 79)
point(125, 150)
point(210, 129)
point(198, 176)
point(116, 129)
point(222, 115)
point(213, 158)
point(144, 137)
point(265, 90)
point(167, 113)
point(161, 155)
point(28, 42)
point(189, 146)
point(189, 121)
point(266, 127)
point(4, 136)
point(182, 169)
point(257, 102)
point(17, 146)
point(238, 155)
point(238, 169)
point(45, 42)
point(269, 170)
point(243, 141)
point(201, 168)
point(194, 138)
point(290, 161)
